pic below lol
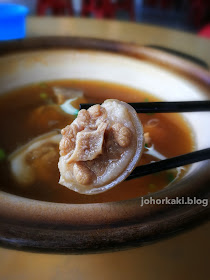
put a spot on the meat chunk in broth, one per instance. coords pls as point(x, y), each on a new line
point(57, 109)
point(64, 93)
point(37, 160)
point(100, 148)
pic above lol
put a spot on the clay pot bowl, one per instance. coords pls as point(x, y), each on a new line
point(44, 226)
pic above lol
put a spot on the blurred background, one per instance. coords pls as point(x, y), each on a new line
point(186, 15)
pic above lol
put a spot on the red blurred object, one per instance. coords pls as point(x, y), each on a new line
point(151, 2)
point(125, 5)
point(58, 7)
point(163, 4)
point(199, 11)
point(205, 31)
point(166, 4)
point(97, 8)
point(107, 8)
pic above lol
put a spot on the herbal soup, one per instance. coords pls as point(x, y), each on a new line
point(33, 116)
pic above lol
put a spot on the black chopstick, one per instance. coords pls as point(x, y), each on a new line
point(170, 163)
point(165, 107)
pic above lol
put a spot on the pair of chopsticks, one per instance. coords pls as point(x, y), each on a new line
point(167, 107)
point(169, 163)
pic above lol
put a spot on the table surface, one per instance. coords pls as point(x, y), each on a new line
point(122, 31)
point(185, 256)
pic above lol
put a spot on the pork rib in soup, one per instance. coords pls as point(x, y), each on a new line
point(100, 148)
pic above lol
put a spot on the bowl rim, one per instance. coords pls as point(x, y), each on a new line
point(111, 225)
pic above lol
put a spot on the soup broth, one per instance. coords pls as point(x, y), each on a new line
point(21, 121)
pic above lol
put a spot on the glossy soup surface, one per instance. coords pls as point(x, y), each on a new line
point(19, 123)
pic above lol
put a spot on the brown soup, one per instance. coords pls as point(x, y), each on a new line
point(19, 123)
